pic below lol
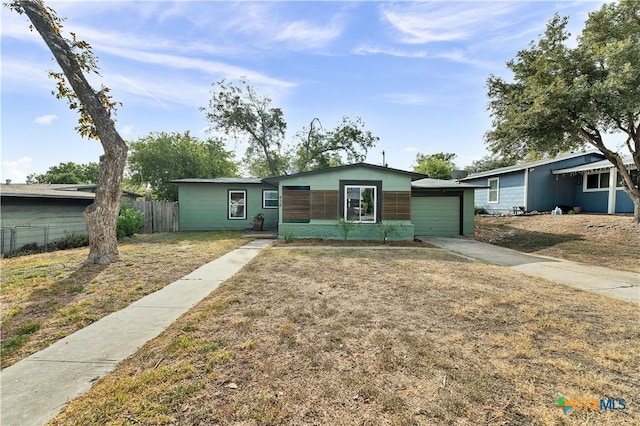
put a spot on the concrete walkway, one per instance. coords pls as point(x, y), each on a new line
point(610, 282)
point(35, 389)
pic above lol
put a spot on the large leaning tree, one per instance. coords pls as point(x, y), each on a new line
point(562, 98)
point(75, 57)
point(238, 111)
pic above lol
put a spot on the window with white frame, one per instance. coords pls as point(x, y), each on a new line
point(597, 181)
point(635, 178)
point(360, 203)
point(237, 204)
point(269, 199)
point(493, 190)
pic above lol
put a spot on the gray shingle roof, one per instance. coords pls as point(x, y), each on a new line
point(428, 183)
point(44, 191)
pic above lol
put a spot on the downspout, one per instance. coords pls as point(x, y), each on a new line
point(613, 180)
point(526, 189)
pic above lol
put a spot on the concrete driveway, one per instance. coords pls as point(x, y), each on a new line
point(610, 282)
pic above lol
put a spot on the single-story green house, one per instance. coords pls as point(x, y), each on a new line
point(40, 213)
point(357, 201)
point(225, 203)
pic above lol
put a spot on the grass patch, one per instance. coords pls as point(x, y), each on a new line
point(377, 337)
point(58, 292)
point(602, 240)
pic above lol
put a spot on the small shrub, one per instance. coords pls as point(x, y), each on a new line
point(68, 242)
point(30, 248)
point(571, 212)
point(479, 210)
point(289, 237)
point(129, 222)
point(346, 227)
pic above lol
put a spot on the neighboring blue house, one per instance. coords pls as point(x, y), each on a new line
point(598, 186)
point(571, 180)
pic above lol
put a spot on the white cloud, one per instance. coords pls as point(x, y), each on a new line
point(368, 50)
point(420, 23)
point(407, 99)
point(45, 120)
point(17, 171)
point(303, 34)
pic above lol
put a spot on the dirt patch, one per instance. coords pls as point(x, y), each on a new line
point(398, 337)
point(602, 240)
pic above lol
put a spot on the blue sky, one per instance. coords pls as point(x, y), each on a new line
point(414, 71)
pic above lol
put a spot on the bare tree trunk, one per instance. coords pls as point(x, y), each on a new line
point(101, 216)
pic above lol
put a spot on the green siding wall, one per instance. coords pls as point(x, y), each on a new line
point(329, 180)
point(203, 207)
point(63, 217)
point(468, 213)
point(330, 230)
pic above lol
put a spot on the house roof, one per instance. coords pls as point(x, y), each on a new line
point(232, 180)
point(527, 165)
point(428, 183)
point(594, 167)
point(52, 190)
point(44, 191)
point(413, 175)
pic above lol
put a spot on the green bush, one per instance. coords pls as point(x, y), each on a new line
point(289, 237)
point(129, 222)
point(70, 241)
point(479, 210)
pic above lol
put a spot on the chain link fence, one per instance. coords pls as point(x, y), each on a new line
point(39, 238)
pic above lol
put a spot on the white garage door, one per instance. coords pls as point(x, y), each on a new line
point(436, 215)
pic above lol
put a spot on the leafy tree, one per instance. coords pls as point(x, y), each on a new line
point(160, 157)
point(239, 111)
point(70, 172)
point(96, 109)
point(489, 162)
point(320, 149)
point(562, 97)
point(436, 166)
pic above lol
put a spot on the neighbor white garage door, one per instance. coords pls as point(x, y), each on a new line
point(436, 215)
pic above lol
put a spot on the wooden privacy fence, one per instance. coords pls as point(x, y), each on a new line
point(159, 216)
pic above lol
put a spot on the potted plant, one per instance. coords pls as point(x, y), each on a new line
point(258, 222)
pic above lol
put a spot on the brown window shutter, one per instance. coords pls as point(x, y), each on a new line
point(396, 205)
point(295, 205)
point(324, 205)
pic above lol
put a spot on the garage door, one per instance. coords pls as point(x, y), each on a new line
point(436, 215)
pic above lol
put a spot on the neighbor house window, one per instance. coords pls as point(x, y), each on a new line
point(360, 203)
point(597, 181)
point(237, 204)
point(635, 178)
point(269, 199)
point(493, 190)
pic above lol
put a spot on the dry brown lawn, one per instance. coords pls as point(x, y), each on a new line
point(602, 240)
point(373, 337)
point(48, 296)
